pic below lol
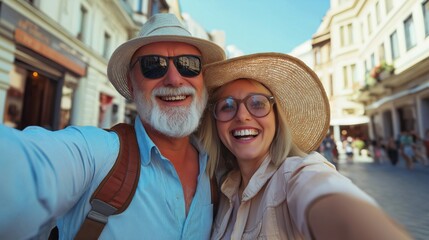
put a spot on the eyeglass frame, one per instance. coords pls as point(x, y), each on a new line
point(174, 58)
point(271, 101)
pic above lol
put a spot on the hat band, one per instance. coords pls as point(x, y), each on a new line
point(168, 30)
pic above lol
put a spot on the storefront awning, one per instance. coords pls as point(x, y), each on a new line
point(398, 95)
point(352, 120)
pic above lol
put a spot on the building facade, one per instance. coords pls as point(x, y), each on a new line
point(54, 57)
point(372, 56)
point(396, 66)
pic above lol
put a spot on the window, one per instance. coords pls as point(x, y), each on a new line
point(377, 13)
point(381, 53)
point(317, 56)
point(106, 47)
point(354, 74)
point(365, 64)
point(372, 60)
point(345, 77)
point(389, 6)
point(361, 32)
point(346, 35)
point(82, 26)
point(369, 24)
point(331, 85)
point(425, 6)
point(327, 51)
point(394, 46)
point(140, 6)
point(410, 34)
point(350, 33)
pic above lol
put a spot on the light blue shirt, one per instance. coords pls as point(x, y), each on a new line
point(51, 175)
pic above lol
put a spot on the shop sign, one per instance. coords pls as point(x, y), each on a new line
point(34, 37)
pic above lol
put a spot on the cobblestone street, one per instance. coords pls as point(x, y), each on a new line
point(402, 193)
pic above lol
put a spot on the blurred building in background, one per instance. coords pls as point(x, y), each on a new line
point(373, 59)
point(372, 56)
point(54, 57)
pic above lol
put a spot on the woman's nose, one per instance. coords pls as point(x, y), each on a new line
point(242, 113)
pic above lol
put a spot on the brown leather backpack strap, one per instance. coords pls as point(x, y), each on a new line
point(117, 189)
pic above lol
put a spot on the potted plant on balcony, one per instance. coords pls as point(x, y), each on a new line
point(370, 80)
point(382, 71)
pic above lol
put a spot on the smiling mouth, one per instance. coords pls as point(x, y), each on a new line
point(173, 98)
point(245, 133)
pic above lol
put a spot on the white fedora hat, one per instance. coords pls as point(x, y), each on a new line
point(163, 27)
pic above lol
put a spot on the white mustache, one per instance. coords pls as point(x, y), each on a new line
point(170, 91)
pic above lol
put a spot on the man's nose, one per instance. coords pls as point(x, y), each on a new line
point(173, 77)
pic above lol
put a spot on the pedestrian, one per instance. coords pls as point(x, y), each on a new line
point(48, 177)
point(348, 146)
point(371, 147)
point(426, 142)
point(419, 149)
point(406, 149)
point(380, 154)
point(268, 112)
point(329, 150)
point(392, 151)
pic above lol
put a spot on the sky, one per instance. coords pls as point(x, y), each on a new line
point(259, 25)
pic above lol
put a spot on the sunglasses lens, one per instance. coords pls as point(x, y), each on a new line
point(153, 66)
point(225, 109)
point(188, 65)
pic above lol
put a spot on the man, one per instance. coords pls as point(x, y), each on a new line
point(48, 177)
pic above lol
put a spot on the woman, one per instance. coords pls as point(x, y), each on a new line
point(267, 114)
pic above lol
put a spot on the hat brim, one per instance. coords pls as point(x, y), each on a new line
point(118, 66)
point(296, 88)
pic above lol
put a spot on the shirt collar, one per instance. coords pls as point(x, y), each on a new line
point(258, 180)
point(147, 147)
point(145, 143)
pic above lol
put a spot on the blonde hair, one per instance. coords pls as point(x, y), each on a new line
point(281, 147)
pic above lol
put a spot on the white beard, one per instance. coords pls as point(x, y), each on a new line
point(172, 121)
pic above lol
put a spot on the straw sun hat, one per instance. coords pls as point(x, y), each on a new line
point(296, 88)
point(162, 27)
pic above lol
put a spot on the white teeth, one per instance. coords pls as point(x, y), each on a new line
point(245, 132)
point(173, 98)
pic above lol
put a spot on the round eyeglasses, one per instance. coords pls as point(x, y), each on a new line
point(258, 105)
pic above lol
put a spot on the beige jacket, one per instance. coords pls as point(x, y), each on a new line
point(274, 203)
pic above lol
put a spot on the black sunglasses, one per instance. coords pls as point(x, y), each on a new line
point(258, 105)
point(156, 66)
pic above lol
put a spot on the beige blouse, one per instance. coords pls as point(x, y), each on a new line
point(274, 204)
